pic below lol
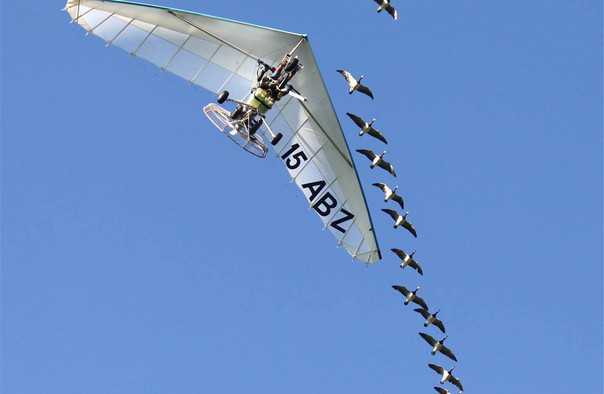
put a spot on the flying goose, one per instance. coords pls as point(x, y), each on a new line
point(377, 160)
point(385, 5)
point(401, 220)
point(447, 376)
point(441, 390)
point(410, 296)
point(390, 194)
point(431, 318)
point(355, 84)
point(367, 128)
point(408, 260)
point(437, 346)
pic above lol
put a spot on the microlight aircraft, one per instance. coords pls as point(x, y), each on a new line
point(254, 68)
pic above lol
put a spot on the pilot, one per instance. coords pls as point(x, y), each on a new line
point(283, 63)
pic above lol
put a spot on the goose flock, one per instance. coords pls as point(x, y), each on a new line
point(406, 260)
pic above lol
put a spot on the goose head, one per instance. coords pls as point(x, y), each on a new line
point(412, 253)
point(382, 155)
point(371, 124)
point(405, 215)
point(394, 190)
point(442, 340)
point(362, 76)
point(415, 291)
point(451, 370)
point(436, 313)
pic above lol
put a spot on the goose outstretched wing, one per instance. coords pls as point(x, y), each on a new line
point(456, 382)
point(388, 167)
point(376, 134)
point(357, 120)
point(382, 186)
point(348, 76)
point(364, 89)
point(401, 289)
point(423, 312)
point(367, 153)
point(393, 214)
point(428, 339)
point(439, 324)
point(400, 253)
point(420, 301)
point(413, 264)
point(399, 199)
point(392, 11)
point(447, 352)
point(410, 227)
point(437, 368)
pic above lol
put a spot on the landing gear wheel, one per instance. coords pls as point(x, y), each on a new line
point(276, 140)
point(222, 97)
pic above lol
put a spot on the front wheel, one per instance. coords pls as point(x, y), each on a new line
point(276, 139)
point(222, 97)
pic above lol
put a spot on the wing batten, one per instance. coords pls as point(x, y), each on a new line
point(176, 53)
point(357, 251)
point(341, 240)
point(103, 21)
point(310, 160)
point(331, 218)
point(110, 42)
point(143, 42)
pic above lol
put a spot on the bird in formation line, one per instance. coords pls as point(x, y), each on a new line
point(385, 5)
point(410, 296)
point(390, 194)
point(438, 346)
point(431, 318)
point(401, 220)
point(367, 128)
point(407, 260)
point(377, 160)
point(355, 84)
point(447, 376)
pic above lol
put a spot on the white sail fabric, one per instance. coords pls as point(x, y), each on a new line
point(220, 54)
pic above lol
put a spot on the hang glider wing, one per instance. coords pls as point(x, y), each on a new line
point(220, 54)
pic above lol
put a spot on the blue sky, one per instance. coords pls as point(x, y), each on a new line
point(142, 252)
